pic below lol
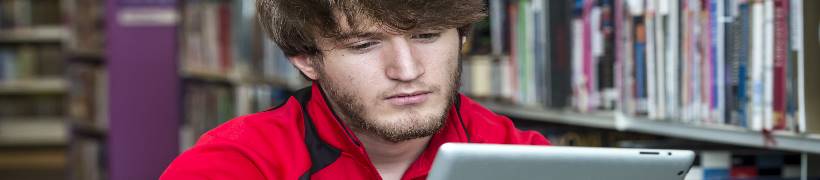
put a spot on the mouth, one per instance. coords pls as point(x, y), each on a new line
point(405, 99)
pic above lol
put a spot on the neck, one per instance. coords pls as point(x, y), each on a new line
point(392, 158)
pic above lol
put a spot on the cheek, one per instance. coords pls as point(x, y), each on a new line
point(441, 61)
point(356, 75)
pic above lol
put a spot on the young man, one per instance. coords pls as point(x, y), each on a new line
point(383, 100)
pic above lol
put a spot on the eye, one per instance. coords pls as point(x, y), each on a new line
point(426, 37)
point(363, 46)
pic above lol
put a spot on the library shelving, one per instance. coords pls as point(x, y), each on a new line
point(735, 72)
point(34, 140)
point(227, 66)
point(608, 120)
point(574, 62)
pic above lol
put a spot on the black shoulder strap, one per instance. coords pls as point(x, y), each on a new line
point(321, 153)
point(457, 103)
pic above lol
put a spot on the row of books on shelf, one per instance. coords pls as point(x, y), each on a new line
point(206, 105)
point(28, 13)
point(85, 21)
point(222, 37)
point(259, 97)
point(733, 62)
point(712, 161)
point(88, 95)
point(30, 61)
point(47, 106)
point(718, 164)
point(88, 158)
point(718, 62)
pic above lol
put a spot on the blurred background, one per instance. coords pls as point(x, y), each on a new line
point(94, 89)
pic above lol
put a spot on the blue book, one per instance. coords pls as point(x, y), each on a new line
point(640, 70)
point(715, 174)
point(743, 61)
point(640, 61)
point(713, 64)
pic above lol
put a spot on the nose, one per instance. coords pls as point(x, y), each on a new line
point(403, 63)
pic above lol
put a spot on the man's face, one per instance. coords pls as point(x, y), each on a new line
point(390, 85)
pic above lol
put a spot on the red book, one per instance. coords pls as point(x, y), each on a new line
point(781, 51)
point(512, 10)
point(225, 37)
point(743, 172)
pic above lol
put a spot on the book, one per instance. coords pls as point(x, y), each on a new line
point(715, 164)
point(85, 20)
point(768, 64)
point(781, 53)
point(810, 103)
point(560, 23)
point(709, 63)
point(757, 67)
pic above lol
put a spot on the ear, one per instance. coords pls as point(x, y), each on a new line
point(305, 64)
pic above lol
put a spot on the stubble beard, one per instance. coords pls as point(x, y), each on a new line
point(411, 124)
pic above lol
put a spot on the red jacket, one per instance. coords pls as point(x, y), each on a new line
point(288, 142)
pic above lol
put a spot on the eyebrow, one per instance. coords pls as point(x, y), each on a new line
point(356, 35)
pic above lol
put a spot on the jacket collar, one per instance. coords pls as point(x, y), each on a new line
point(337, 134)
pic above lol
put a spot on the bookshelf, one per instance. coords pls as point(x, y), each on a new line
point(34, 138)
point(34, 86)
point(46, 132)
point(216, 64)
point(614, 94)
point(236, 72)
point(47, 34)
point(721, 71)
point(719, 134)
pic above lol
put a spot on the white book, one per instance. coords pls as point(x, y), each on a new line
point(579, 97)
point(597, 39)
point(497, 16)
point(481, 76)
point(244, 96)
point(756, 70)
point(697, 66)
point(652, 105)
point(506, 78)
point(797, 36)
point(661, 14)
point(768, 64)
point(530, 61)
point(717, 116)
point(672, 62)
point(695, 173)
point(626, 62)
point(716, 159)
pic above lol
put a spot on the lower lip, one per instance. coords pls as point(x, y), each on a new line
point(408, 100)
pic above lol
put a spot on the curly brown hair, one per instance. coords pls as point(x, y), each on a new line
point(295, 25)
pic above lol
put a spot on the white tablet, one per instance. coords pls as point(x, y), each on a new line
point(508, 162)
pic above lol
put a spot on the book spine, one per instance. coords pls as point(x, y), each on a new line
point(640, 66)
point(588, 87)
point(514, 51)
point(577, 64)
point(781, 50)
point(768, 65)
point(719, 87)
point(756, 64)
point(730, 56)
point(225, 54)
point(795, 27)
point(650, 59)
point(672, 55)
